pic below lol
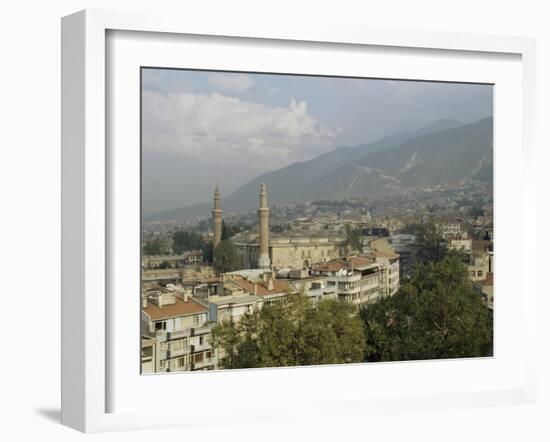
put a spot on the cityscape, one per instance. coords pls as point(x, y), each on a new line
point(299, 244)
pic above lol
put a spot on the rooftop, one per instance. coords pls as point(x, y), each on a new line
point(221, 300)
point(381, 254)
point(260, 288)
point(355, 262)
point(488, 279)
point(179, 308)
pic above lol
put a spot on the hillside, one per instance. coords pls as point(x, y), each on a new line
point(445, 152)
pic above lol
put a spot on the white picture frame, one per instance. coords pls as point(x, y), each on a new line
point(87, 205)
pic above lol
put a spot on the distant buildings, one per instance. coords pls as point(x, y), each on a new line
point(487, 290)
point(153, 277)
point(406, 246)
point(480, 263)
point(450, 229)
point(172, 261)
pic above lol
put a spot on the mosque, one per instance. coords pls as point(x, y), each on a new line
point(296, 249)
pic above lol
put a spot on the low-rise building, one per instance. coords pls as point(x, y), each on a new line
point(480, 264)
point(450, 229)
point(460, 244)
point(487, 290)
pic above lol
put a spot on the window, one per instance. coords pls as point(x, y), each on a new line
point(160, 325)
point(479, 273)
point(201, 340)
point(198, 357)
point(208, 355)
point(181, 362)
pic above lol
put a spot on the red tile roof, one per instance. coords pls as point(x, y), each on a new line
point(180, 308)
point(488, 279)
point(381, 254)
point(261, 287)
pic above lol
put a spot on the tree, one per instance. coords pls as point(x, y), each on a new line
point(208, 252)
point(354, 238)
point(186, 241)
point(332, 334)
point(165, 265)
point(437, 313)
point(430, 245)
point(226, 257)
point(292, 332)
point(226, 234)
point(230, 230)
point(154, 247)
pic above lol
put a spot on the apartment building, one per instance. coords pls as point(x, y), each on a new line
point(176, 332)
point(357, 280)
point(316, 288)
point(388, 263)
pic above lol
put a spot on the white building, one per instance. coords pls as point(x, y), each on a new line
point(361, 280)
point(178, 330)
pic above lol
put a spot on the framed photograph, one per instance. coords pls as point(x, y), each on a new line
point(291, 223)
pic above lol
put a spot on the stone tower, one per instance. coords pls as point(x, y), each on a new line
point(217, 215)
point(263, 215)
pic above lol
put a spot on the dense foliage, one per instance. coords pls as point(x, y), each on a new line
point(354, 238)
point(184, 241)
point(226, 257)
point(437, 313)
point(155, 247)
point(431, 247)
point(292, 332)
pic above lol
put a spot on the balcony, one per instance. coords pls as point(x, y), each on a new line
point(178, 334)
point(349, 291)
point(195, 348)
point(370, 286)
point(200, 330)
point(206, 363)
point(167, 354)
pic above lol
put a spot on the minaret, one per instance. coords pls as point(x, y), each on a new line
point(217, 215)
point(263, 215)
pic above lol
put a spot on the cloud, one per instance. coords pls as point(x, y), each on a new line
point(163, 80)
point(222, 128)
point(231, 82)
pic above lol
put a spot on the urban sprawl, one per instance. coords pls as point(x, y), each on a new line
point(200, 273)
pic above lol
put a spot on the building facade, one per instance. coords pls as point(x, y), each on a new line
point(176, 333)
point(361, 280)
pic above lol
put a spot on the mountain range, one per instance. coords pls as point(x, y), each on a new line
point(447, 152)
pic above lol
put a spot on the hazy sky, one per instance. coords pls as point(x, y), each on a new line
point(201, 127)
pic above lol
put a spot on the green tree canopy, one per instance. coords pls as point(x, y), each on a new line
point(429, 241)
point(226, 257)
point(165, 265)
point(437, 313)
point(292, 332)
point(354, 238)
point(186, 241)
point(155, 247)
point(229, 230)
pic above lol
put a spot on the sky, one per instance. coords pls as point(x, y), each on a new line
point(200, 128)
